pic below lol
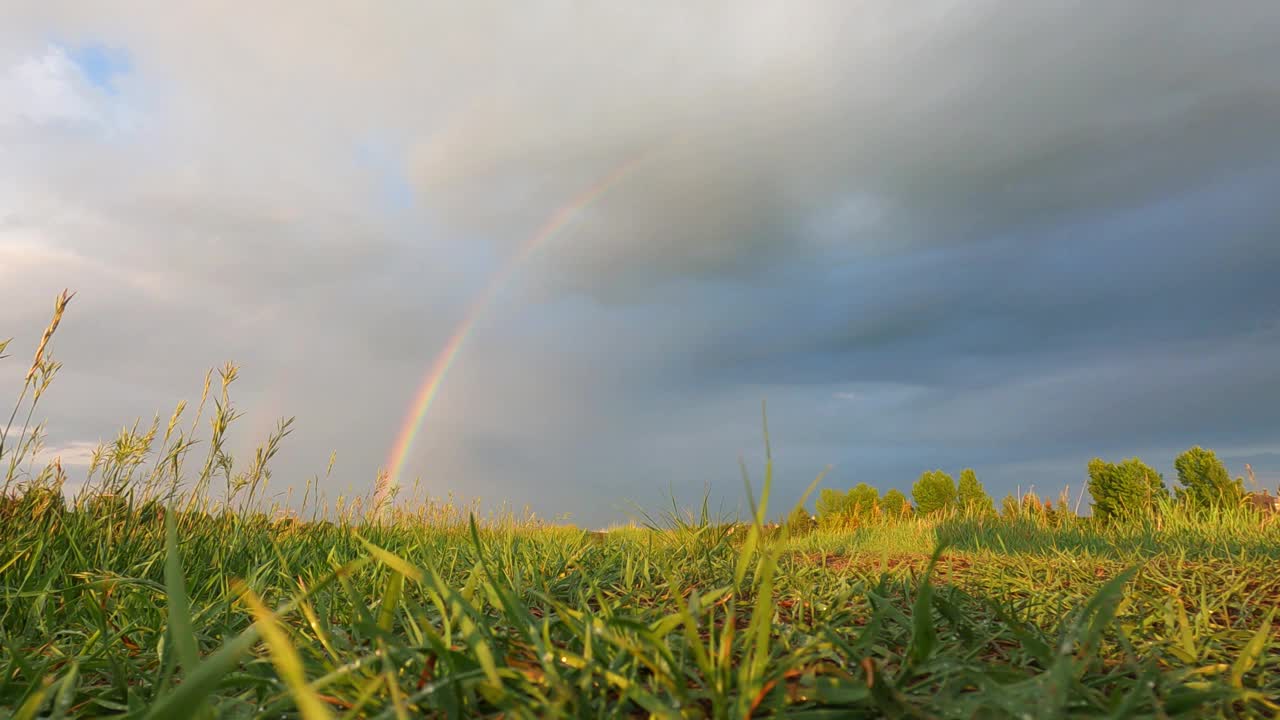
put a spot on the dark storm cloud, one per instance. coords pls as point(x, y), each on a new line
point(1200, 267)
point(953, 127)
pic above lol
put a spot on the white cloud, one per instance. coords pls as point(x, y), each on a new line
point(46, 92)
point(46, 89)
point(41, 263)
point(77, 454)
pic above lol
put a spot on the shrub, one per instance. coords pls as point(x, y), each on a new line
point(863, 500)
point(972, 496)
point(800, 522)
point(894, 504)
point(858, 503)
point(831, 504)
point(1124, 490)
point(934, 491)
point(1205, 481)
point(1009, 507)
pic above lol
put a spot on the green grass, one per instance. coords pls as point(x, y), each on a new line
point(105, 613)
point(162, 592)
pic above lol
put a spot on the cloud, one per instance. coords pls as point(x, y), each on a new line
point(933, 129)
point(950, 234)
point(58, 92)
point(45, 90)
point(78, 454)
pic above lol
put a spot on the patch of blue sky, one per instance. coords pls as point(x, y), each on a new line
point(101, 64)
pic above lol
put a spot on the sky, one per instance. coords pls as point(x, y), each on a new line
point(1006, 236)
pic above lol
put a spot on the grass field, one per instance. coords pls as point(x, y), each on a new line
point(166, 590)
point(105, 613)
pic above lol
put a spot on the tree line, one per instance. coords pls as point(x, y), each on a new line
point(1120, 490)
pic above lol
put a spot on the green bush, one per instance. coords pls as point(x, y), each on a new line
point(935, 491)
point(858, 503)
point(894, 504)
point(1124, 490)
point(800, 522)
point(1205, 481)
point(863, 500)
point(1009, 507)
point(972, 496)
point(831, 504)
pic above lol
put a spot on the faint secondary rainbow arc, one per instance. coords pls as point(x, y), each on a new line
point(444, 360)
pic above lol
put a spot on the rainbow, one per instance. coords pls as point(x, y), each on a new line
point(435, 376)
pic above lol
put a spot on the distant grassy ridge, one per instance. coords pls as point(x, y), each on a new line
point(171, 586)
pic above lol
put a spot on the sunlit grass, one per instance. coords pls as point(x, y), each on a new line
point(170, 586)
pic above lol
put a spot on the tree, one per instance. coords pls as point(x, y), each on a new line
point(832, 504)
point(1205, 481)
point(859, 502)
point(1124, 490)
point(800, 522)
point(894, 504)
point(972, 496)
point(934, 491)
point(862, 501)
point(1009, 508)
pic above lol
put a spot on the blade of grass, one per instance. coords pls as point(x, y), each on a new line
point(286, 659)
point(181, 632)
